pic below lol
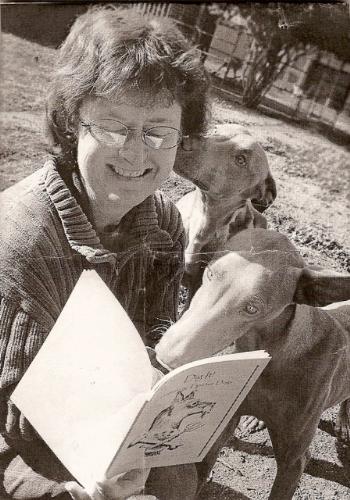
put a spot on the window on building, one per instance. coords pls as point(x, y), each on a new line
point(292, 77)
point(327, 85)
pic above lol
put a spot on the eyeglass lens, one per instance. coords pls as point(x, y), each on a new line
point(114, 133)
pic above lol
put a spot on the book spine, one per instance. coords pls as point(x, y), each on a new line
point(111, 471)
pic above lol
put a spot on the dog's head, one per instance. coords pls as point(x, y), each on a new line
point(255, 284)
point(189, 404)
point(228, 163)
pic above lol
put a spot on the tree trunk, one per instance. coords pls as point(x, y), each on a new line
point(262, 71)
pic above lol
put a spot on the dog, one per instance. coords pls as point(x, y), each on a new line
point(259, 294)
point(234, 186)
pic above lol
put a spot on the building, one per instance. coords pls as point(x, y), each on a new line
point(314, 87)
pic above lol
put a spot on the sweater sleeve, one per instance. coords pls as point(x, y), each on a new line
point(20, 340)
point(29, 470)
point(22, 474)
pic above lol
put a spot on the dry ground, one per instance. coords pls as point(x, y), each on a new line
point(312, 207)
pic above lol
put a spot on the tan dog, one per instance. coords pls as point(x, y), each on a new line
point(229, 169)
point(262, 296)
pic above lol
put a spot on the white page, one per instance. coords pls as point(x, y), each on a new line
point(92, 364)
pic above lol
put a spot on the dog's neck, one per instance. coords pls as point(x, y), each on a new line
point(222, 207)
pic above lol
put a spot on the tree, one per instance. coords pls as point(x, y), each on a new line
point(202, 30)
point(279, 36)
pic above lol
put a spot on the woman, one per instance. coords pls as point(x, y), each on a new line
point(125, 91)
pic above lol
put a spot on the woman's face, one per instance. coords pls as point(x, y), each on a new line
point(117, 178)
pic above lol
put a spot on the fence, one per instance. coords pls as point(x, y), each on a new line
point(153, 9)
point(315, 87)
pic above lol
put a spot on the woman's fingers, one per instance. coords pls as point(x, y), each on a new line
point(157, 375)
point(17, 426)
point(12, 420)
point(125, 485)
point(142, 497)
point(76, 491)
point(26, 430)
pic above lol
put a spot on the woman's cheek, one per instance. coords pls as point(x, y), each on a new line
point(166, 162)
point(89, 150)
point(91, 173)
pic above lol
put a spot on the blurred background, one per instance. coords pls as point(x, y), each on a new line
point(293, 59)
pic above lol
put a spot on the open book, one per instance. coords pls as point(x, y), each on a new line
point(89, 394)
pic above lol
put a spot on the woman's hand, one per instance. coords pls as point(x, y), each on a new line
point(142, 497)
point(157, 375)
point(120, 487)
point(76, 491)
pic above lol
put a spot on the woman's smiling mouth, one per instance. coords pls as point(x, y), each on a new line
point(131, 174)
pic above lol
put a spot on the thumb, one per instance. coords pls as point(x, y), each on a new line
point(76, 491)
point(142, 497)
point(156, 376)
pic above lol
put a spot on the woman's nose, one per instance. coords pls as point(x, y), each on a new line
point(134, 150)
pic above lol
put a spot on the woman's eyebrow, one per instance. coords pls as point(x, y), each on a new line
point(161, 119)
point(111, 116)
point(108, 116)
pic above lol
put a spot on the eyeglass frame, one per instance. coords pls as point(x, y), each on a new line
point(143, 132)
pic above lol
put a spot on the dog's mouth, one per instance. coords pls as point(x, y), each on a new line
point(200, 184)
point(207, 191)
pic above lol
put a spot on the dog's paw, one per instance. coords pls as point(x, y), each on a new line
point(342, 424)
point(249, 424)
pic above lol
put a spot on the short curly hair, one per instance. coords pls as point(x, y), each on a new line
point(111, 50)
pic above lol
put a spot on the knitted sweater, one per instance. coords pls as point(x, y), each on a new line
point(47, 241)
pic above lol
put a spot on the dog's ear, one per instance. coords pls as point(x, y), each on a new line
point(179, 397)
point(190, 395)
point(321, 287)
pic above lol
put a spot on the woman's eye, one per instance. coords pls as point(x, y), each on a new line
point(109, 136)
point(116, 134)
point(158, 135)
point(155, 141)
point(241, 160)
point(251, 309)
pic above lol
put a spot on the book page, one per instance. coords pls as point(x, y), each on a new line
point(85, 386)
point(189, 409)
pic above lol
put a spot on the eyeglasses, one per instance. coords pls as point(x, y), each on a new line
point(115, 133)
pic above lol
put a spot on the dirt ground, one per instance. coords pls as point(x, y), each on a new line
point(312, 208)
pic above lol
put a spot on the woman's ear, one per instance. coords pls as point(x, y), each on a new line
point(321, 287)
point(190, 143)
point(61, 130)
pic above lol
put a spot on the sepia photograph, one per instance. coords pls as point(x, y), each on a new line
point(174, 250)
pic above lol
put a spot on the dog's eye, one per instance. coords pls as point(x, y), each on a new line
point(251, 309)
point(216, 274)
point(241, 160)
point(210, 274)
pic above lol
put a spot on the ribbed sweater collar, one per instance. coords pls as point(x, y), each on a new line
point(142, 223)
